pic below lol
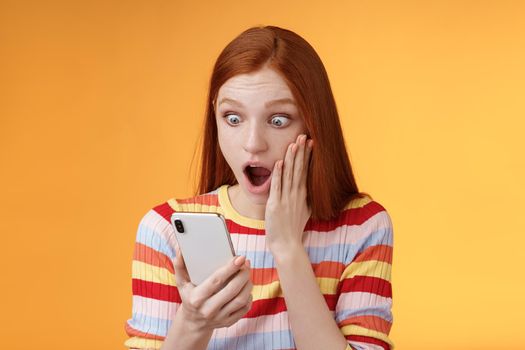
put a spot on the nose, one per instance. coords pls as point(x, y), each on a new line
point(255, 139)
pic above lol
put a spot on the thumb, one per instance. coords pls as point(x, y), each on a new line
point(181, 273)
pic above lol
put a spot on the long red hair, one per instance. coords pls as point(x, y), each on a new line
point(331, 183)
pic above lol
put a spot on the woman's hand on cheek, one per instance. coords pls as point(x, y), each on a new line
point(286, 210)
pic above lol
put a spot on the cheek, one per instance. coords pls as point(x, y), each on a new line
point(282, 142)
point(227, 146)
point(283, 148)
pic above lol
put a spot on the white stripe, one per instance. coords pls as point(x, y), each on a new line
point(361, 300)
point(160, 227)
point(261, 324)
point(154, 308)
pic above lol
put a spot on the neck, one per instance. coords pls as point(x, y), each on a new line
point(244, 206)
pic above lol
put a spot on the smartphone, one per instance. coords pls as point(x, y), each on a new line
point(204, 241)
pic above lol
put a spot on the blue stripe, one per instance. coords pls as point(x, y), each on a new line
point(149, 237)
point(381, 236)
point(150, 325)
point(371, 310)
point(266, 340)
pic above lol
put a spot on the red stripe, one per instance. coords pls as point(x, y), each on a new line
point(132, 332)
point(153, 257)
point(375, 252)
point(368, 284)
point(263, 276)
point(328, 269)
point(265, 307)
point(353, 216)
point(370, 340)
point(155, 291)
point(235, 228)
point(325, 269)
point(164, 210)
point(205, 199)
point(331, 301)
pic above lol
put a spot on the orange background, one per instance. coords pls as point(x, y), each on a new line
point(101, 104)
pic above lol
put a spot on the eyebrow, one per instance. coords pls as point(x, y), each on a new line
point(285, 100)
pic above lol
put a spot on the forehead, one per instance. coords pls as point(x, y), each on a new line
point(265, 83)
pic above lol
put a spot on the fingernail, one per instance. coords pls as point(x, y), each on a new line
point(247, 263)
point(239, 260)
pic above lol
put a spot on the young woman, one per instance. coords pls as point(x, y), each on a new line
point(314, 255)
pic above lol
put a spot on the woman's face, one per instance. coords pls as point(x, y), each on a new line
point(257, 119)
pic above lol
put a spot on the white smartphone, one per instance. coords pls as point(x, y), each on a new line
point(204, 241)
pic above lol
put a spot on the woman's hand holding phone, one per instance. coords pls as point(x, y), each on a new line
point(220, 301)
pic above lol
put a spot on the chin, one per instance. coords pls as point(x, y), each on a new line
point(255, 198)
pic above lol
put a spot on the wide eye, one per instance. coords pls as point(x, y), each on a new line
point(279, 120)
point(233, 119)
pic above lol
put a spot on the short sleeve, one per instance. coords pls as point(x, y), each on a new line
point(155, 295)
point(363, 310)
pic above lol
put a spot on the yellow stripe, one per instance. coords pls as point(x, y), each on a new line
point(150, 273)
point(231, 213)
point(358, 330)
point(358, 202)
point(142, 343)
point(273, 290)
point(267, 291)
point(372, 268)
point(194, 207)
point(327, 285)
point(173, 204)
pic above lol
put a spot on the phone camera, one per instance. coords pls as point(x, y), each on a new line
point(179, 226)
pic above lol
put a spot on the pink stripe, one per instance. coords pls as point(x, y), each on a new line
point(160, 226)
point(350, 234)
point(154, 308)
point(248, 242)
point(358, 300)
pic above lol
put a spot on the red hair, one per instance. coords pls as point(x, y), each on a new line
point(331, 183)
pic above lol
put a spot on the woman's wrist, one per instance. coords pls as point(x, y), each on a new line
point(186, 334)
point(189, 325)
point(284, 254)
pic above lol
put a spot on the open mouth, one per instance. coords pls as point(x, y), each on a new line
point(257, 175)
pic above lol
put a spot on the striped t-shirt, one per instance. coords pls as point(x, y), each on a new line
point(351, 257)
